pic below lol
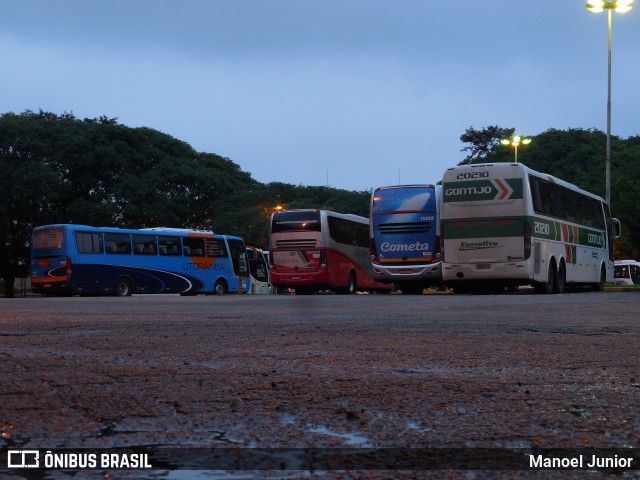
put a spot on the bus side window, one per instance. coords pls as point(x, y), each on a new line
point(168, 246)
point(193, 246)
point(120, 241)
point(144, 244)
point(215, 247)
point(89, 242)
point(635, 273)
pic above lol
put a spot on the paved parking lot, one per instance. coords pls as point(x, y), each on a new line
point(326, 371)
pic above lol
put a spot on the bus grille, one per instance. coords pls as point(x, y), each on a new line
point(297, 243)
point(398, 228)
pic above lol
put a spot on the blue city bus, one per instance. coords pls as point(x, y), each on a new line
point(84, 260)
point(405, 236)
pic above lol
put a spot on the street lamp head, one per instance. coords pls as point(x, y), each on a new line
point(620, 6)
point(515, 142)
point(624, 5)
point(595, 6)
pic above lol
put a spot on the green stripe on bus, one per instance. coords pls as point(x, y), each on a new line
point(476, 228)
point(541, 228)
point(552, 230)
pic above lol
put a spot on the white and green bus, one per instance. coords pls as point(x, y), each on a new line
point(504, 225)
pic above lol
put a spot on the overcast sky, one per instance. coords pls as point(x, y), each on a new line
point(350, 93)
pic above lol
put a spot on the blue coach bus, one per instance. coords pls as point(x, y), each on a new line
point(405, 236)
point(84, 260)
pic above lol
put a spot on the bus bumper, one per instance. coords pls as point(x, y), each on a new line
point(397, 273)
point(482, 272)
point(299, 280)
point(47, 287)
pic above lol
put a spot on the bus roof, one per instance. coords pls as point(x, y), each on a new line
point(164, 230)
point(626, 262)
point(415, 185)
point(525, 169)
point(351, 216)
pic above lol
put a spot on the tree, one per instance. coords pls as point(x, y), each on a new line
point(31, 194)
point(483, 144)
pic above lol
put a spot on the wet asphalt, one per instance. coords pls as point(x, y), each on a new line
point(512, 371)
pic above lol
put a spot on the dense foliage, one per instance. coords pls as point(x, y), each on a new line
point(61, 169)
point(577, 156)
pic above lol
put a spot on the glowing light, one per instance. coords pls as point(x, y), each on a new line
point(620, 6)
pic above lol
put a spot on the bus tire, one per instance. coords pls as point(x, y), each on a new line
point(599, 286)
point(351, 283)
point(123, 287)
point(547, 287)
point(220, 288)
point(561, 279)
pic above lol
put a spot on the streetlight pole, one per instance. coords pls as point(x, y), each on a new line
point(620, 6)
point(515, 142)
point(607, 169)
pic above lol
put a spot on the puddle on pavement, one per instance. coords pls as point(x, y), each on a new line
point(353, 439)
point(350, 439)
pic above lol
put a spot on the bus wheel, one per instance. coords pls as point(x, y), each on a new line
point(561, 279)
point(547, 287)
point(220, 288)
point(123, 288)
point(351, 285)
point(599, 287)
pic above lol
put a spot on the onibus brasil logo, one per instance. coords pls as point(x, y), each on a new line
point(81, 459)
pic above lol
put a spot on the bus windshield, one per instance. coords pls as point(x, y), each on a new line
point(304, 220)
point(404, 200)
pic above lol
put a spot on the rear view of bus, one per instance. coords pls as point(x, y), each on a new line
point(50, 264)
point(505, 225)
point(487, 238)
point(405, 241)
point(313, 250)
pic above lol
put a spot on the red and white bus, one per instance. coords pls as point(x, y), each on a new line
point(312, 250)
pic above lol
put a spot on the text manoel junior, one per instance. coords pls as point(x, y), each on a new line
point(540, 461)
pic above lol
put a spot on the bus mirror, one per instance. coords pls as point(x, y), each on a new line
point(617, 228)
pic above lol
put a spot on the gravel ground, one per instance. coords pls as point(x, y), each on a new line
point(515, 371)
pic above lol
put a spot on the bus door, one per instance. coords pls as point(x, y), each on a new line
point(238, 256)
point(259, 272)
